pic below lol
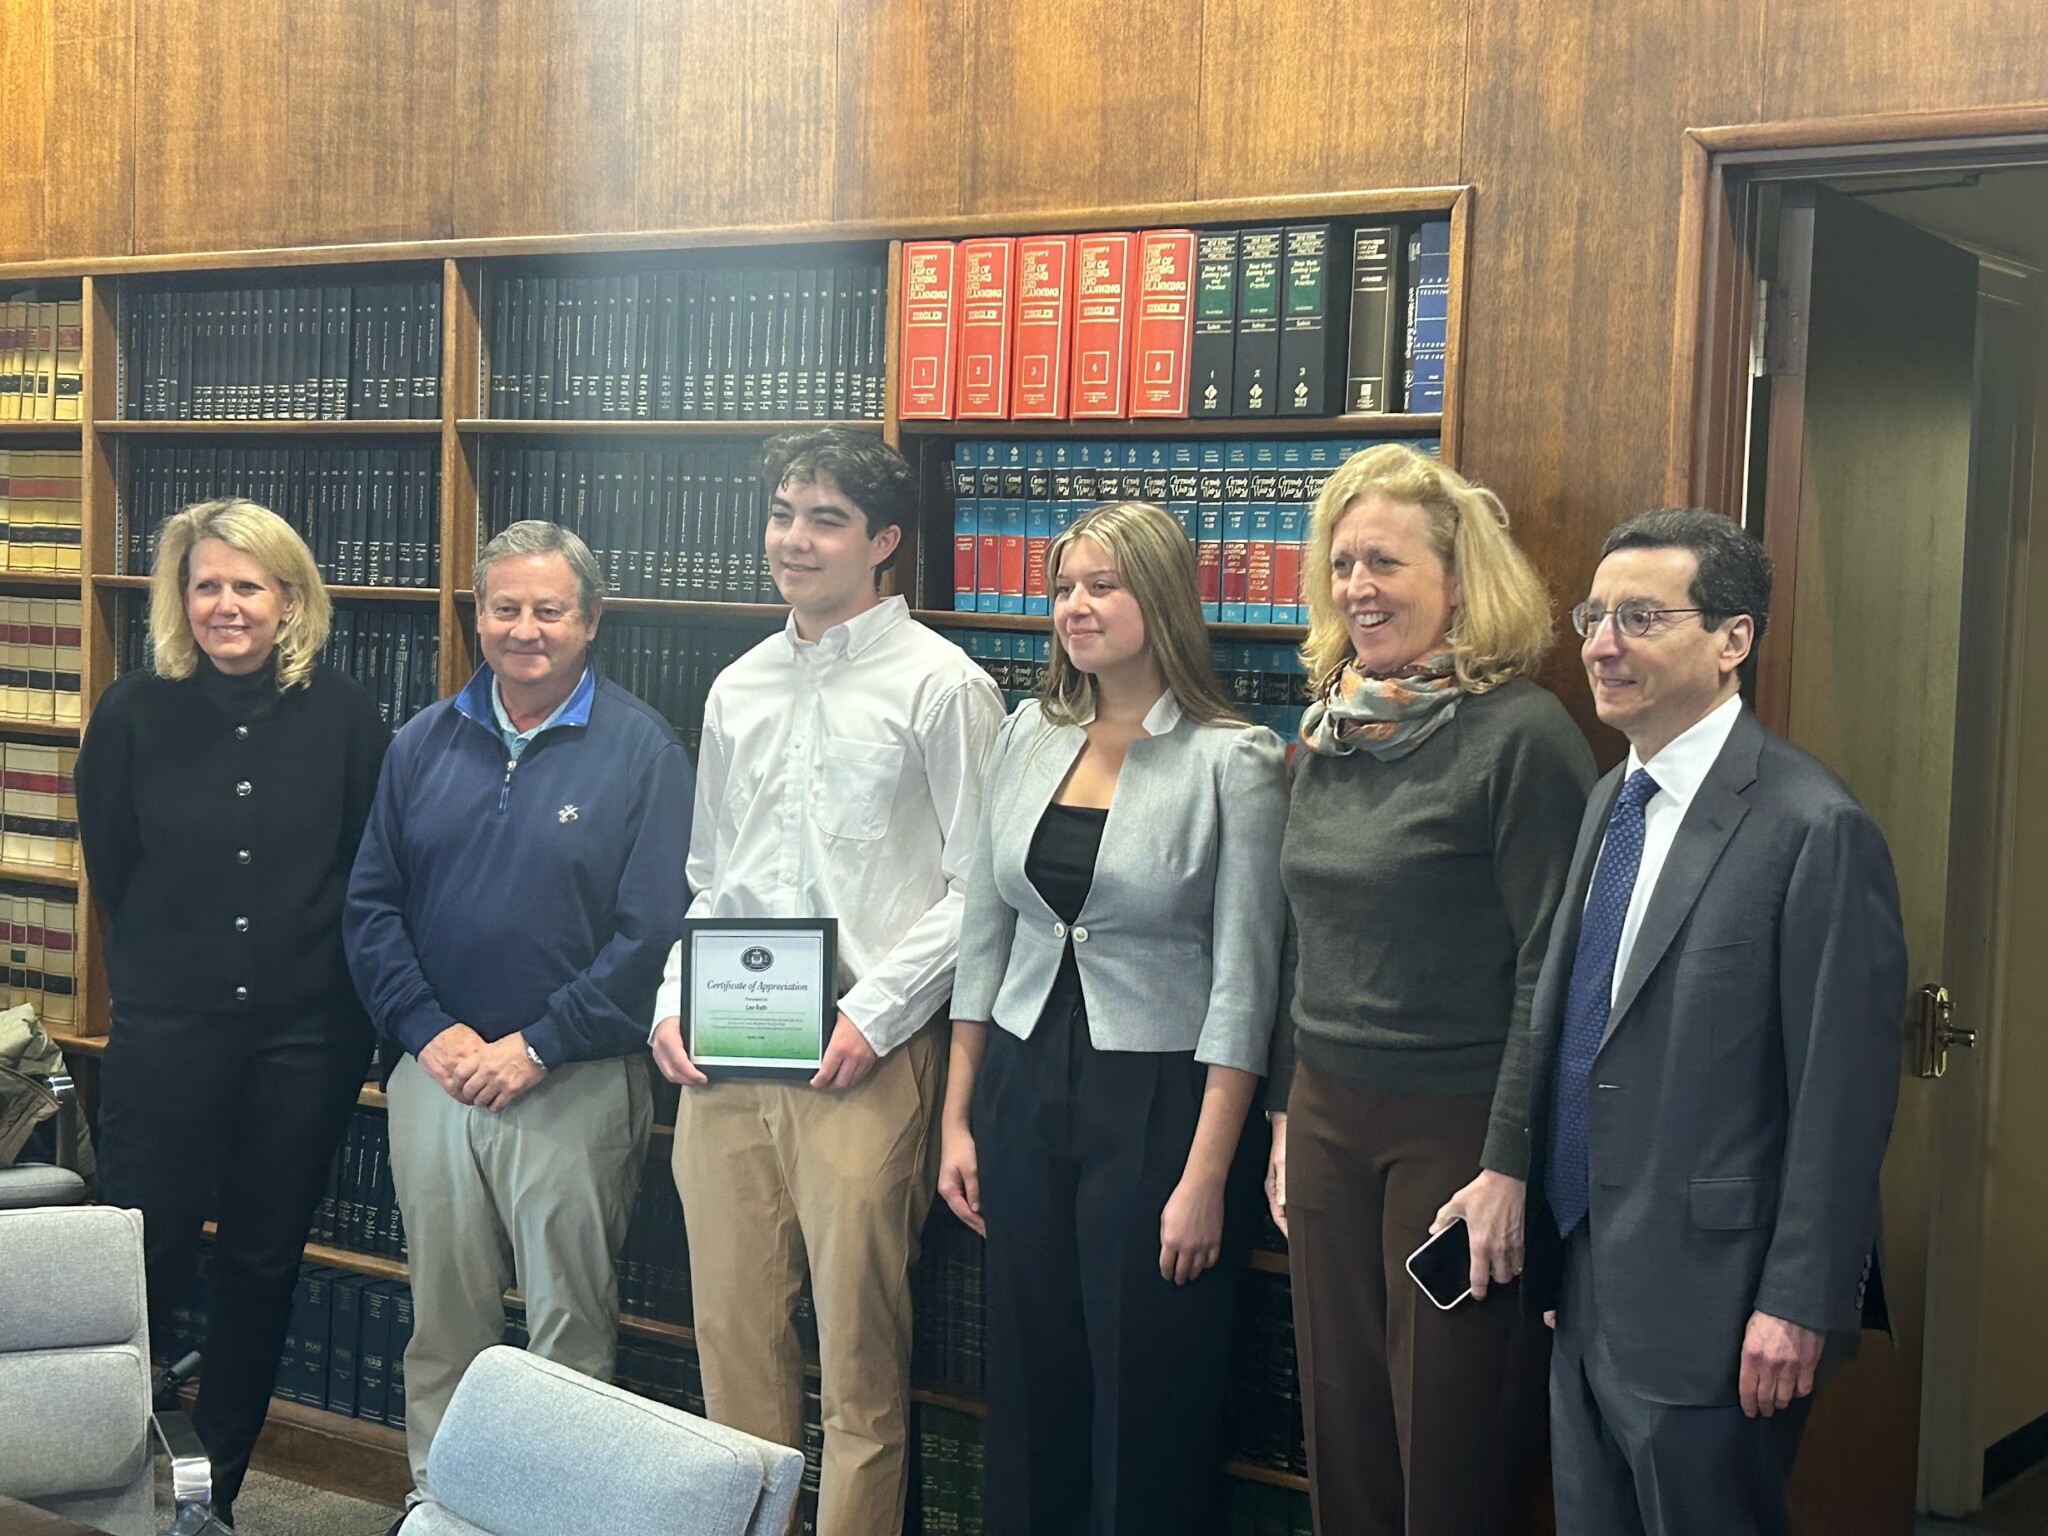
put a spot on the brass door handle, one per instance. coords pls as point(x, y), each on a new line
point(1938, 1031)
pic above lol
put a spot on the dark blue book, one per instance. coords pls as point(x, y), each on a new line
point(343, 1334)
point(394, 1357)
point(373, 1348)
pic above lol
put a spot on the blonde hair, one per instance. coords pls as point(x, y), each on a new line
point(1499, 630)
point(267, 539)
point(1156, 565)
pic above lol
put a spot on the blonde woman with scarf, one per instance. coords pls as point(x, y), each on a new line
point(1435, 805)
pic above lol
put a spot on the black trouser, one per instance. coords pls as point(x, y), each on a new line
point(1624, 1465)
point(1105, 1383)
point(235, 1117)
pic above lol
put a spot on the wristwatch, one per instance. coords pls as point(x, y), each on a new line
point(534, 1056)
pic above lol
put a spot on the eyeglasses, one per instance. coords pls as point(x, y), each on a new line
point(1634, 619)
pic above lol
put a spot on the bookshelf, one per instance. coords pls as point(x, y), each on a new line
point(479, 422)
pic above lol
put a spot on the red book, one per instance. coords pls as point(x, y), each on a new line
point(988, 291)
point(1103, 268)
point(1287, 578)
point(1258, 577)
point(1045, 327)
point(1236, 570)
point(1209, 572)
point(1165, 323)
point(930, 338)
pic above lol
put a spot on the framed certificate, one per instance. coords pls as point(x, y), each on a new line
point(760, 995)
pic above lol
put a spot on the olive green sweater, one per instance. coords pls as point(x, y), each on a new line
point(1420, 893)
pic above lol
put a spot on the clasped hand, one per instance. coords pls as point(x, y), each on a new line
point(490, 1074)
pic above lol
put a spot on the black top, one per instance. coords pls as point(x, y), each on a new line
point(219, 819)
point(1421, 891)
point(1061, 863)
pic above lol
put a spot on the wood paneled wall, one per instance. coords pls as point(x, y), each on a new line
point(153, 126)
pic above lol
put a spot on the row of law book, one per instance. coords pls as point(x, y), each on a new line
point(369, 515)
point(1265, 1509)
point(42, 359)
point(1245, 507)
point(1304, 320)
point(40, 658)
point(947, 1475)
point(683, 522)
point(41, 514)
point(331, 352)
point(1263, 1420)
point(359, 1211)
point(41, 929)
point(393, 652)
point(778, 343)
point(1264, 680)
point(39, 806)
point(948, 1304)
point(671, 666)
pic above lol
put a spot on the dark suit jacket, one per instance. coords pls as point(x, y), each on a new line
point(1741, 1099)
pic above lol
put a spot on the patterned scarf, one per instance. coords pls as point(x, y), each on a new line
point(1386, 716)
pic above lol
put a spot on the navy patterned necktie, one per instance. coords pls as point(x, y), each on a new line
point(1589, 998)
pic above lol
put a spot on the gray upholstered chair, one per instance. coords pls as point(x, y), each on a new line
point(531, 1448)
point(26, 1099)
point(75, 1417)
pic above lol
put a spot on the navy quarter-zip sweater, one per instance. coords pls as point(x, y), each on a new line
point(540, 897)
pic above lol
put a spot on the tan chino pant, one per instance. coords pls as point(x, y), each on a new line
point(538, 1193)
point(773, 1176)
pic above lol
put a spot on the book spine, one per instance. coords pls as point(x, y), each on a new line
point(1257, 363)
point(1164, 325)
point(1103, 268)
point(1309, 332)
point(966, 518)
point(1037, 528)
point(1045, 328)
point(1237, 493)
point(1369, 368)
point(1011, 552)
point(988, 540)
point(988, 294)
point(1429, 292)
point(1261, 528)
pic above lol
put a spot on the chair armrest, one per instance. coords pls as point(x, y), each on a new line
point(191, 1472)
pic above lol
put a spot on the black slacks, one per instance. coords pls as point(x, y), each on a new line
point(1105, 1383)
point(234, 1117)
point(1420, 1422)
point(1626, 1466)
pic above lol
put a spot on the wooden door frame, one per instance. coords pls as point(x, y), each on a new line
point(1708, 455)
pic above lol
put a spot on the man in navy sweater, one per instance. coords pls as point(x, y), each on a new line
point(508, 917)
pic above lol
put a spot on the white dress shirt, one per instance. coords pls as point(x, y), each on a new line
point(1679, 770)
point(842, 779)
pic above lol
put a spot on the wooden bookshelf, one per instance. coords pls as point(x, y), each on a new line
point(470, 443)
point(493, 426)
point(270, 427)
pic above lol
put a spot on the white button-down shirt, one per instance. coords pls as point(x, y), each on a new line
point(842, 779)
point(1680, 769)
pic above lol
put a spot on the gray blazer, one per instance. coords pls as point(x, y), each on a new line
point(1178, 943)
point(1741, 1099)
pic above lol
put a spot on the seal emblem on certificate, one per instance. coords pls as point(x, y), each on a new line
point(760, 994)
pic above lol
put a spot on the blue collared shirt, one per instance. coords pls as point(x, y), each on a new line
point(576, 708)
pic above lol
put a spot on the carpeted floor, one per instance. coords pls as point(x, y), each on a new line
point(270, 1506)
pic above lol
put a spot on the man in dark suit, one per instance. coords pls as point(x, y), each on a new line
point(1717, 1039)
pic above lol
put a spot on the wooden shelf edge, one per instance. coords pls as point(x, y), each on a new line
point(56, 730)
point(486, 426)
point(70, 429)
point(406, 426)
point(85, 1045)
point(1254, 1472)
point(63, 581)
point(1287, 208)
point(40, 874)
point(1417, 424)
point(341, 1426)
point(1266, 1261)
point(944, 618)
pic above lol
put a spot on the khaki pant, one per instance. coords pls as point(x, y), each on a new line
point(538, 1193)
point(773, 1175)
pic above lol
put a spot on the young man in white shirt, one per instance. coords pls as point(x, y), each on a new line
point(840, 776)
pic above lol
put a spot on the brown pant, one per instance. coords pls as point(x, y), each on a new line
point(1419, 1422)
point(774, 1176)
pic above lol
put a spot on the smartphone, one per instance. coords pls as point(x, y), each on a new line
point(1443, 1265)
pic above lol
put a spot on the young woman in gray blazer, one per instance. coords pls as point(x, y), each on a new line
point(1122, 933)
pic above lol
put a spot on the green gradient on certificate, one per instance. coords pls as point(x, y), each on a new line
point(758, 999)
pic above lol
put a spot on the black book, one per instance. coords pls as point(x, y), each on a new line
point(877, 351)
point(753, 337)
point(803, 344)
point(689, 546)
point(782, 404)
point(1312, 332)
point(690, 347)
point(665, 342)
point(526, 350)
point(499, 363)
point(846, 294)
point(426, 390)
point(1257, 364)
point(336, 332)
point(404, 303)
point(823, 303)
point(611, 303)
point(1375, 335)
point(729, 360)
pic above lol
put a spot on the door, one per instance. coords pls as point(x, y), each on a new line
point(1870, 352)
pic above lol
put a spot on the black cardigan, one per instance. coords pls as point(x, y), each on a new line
point(219, 820)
